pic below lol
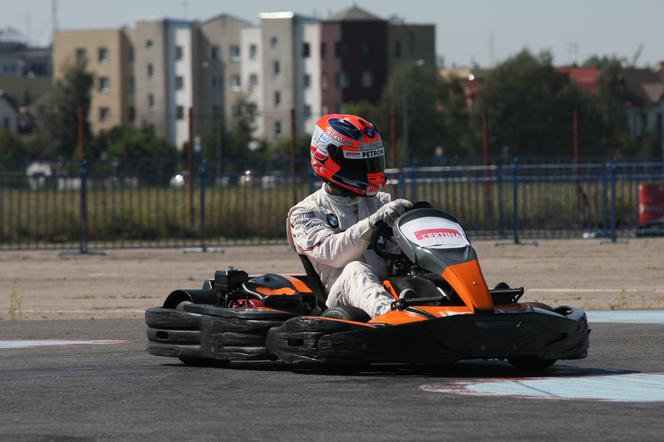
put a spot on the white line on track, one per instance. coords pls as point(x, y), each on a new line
point(638, 387)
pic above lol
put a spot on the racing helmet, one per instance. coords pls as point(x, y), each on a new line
point(347, 151)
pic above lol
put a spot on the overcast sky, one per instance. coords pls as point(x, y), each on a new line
point(481, 31)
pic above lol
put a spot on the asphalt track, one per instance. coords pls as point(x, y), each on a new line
point(116, 391)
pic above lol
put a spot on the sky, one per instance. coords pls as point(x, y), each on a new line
point(482, 32)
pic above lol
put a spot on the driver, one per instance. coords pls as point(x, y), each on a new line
point(333, 226)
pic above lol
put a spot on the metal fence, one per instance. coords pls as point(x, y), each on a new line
point(122, 207)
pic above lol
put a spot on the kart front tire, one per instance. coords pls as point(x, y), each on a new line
point(531, 363)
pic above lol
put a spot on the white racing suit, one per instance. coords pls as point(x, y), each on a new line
point(333, 231)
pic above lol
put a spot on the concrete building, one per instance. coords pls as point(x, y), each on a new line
point(164, 71)
point(107, 54)
point(8, 114)
point(19, 59)
point(252, 74)
point(218, 71)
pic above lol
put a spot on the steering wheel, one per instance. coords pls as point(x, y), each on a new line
point(384, 233)
point(380, 239)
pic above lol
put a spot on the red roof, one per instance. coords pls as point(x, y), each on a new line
point(586, 78)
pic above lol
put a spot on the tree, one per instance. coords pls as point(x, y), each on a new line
point(412, 91)
point(530, 106)
point(59, 117)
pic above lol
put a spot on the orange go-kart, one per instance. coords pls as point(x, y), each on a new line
point(443, 311)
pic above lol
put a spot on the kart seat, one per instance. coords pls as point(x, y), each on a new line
point(316, 285)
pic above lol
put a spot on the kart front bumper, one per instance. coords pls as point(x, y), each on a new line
point(540, 333)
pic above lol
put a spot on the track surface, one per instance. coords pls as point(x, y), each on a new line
point(119, 392)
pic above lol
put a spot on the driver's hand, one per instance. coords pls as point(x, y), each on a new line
point(390, 212)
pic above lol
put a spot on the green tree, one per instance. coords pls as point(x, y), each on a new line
point(412, 92)
point(530, 106)
point(59, 117)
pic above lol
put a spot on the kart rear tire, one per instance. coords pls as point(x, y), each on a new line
point(531, 363)
point(171, 319)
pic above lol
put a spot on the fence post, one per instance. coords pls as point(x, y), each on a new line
point(413, 180)
point(202, 169)
point(605, 201)
point(515, 200)
point(501, 220)
point(83, 207)
point(613, 201)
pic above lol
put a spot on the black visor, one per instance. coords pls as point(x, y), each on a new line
point(372, 163)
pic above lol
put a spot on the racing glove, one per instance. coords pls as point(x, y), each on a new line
point(390, 212)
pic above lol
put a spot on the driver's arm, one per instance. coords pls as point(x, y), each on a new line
point(320, 243)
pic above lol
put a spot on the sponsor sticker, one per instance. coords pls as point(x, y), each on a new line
point(437, 233)
point(302, 217)
point(363, 154)
point(434, 232)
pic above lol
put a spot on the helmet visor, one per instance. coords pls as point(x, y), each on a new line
point(363, 162)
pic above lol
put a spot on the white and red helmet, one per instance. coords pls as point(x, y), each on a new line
point(347, 151)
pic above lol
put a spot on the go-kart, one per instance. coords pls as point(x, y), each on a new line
point(443, 312)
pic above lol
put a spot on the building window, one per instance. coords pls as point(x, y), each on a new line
point(367, 79)
point(252, 52)
point(179, 83)
point(131, 84)
point(253, 81)
point(150, 70)
point(306, 81)
point(148, 43)
point(102, 55)
point(307, 111)
point(397, 49)
point(131, 113)
point(276, 67)
point(339, 49)
point(342, 80)
point(5, 123)
point(150, 102)
point(234, 53)
point(323, 48)
point(81, 57)
point(306, 50)
point(104, 114)
point(277, 128)
point(178, 53)
point(274, 41)
point(104, 85)
point(130, 54)
point(235, 82)
point(277, 98)
point(214, 52)
point(215, 111)
point(323, 80)
point(179, 112)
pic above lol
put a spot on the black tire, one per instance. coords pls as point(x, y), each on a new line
point(232, 339)
point(171, 319)
point(347, 313)
point(531, 363)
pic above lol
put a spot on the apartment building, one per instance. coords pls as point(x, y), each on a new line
point(218, 71)
point(152, 74)
point(106, 53)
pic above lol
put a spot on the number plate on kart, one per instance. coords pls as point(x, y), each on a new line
point(435, 233)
